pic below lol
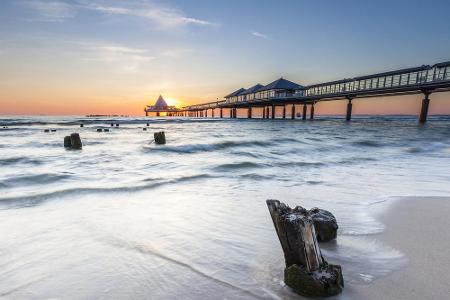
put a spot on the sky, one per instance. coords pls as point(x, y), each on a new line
point(114, 57)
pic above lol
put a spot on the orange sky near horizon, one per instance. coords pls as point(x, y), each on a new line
point(59, 102)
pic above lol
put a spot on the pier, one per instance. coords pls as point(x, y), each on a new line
point(287, 95)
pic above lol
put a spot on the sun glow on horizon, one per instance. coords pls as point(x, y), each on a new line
point(172, 101)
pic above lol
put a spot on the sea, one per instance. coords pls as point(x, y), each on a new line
point(125, 218)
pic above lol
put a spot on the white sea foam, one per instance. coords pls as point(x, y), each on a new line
point(125, 218)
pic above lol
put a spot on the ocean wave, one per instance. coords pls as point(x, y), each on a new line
point(149, 250)
point(238, 165)
point(19, 160)
point(34, 179)
point(367, 143)
point(33, 200)
point(301, 164)
point(254, 176)
point(196, 148)
point(355, 160)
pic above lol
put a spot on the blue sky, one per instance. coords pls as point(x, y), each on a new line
point(200, 50)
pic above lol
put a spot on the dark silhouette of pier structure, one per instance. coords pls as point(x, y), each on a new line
point(289, 95)
point(161, 106)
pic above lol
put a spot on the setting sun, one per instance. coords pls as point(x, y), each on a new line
point(172, 102)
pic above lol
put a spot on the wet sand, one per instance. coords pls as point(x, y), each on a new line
point(420, 228)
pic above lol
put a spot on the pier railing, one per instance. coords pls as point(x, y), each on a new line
point(412, 80)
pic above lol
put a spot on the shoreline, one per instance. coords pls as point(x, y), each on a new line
point(418, 227)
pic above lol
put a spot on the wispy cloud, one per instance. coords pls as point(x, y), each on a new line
point(118, 56)
point(162, 15)
point(259, 35)
point(51, 11)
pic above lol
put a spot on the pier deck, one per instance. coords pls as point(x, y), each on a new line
point(419, 80)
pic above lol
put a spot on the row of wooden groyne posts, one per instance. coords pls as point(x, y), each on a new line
point(288, 95)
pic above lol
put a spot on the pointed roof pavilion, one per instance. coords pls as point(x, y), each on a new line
point(281, 84)
point(160, 102)
point(160, 106)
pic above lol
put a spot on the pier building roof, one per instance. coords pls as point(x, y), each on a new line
point(252, 89)
point(281, 84)
point(160, 102)
point(160, 106)
point(235, 93)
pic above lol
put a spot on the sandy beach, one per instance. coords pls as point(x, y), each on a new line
point(418, 227)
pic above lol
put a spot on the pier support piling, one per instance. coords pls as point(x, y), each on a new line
point(221, 113)
point(348, 116)
point(249, 112)
point(304, 111)
point(311, 115)
point(284, 111)
point(273, 110)
point(425, 106)
point(264, 113)
point(206, 113)
point(293, 111)
point(267, 112)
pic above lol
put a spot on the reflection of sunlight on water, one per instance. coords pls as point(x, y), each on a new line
point(127, 218)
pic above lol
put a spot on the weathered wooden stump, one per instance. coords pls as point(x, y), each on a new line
point(75, 141)
point(325, 224)
point(67, 142)
point(306, 270)
point(160, 138)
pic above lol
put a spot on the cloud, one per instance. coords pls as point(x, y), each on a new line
point(259, 35)
point(115, 56)
point(51, 11)
point(162, 15)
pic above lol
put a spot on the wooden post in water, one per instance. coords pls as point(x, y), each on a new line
point(212, 112)
point(293, 111)
point(273, 110)
point(348, 117)
point(425, 106)
point(206, 113)
point(235, 113)
point(311, 116)
point(267, 112)
point(249, 112)
point(284, 111)
point(231, 113)
point(264, 112)
point(304, 111)
point(221, 113)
